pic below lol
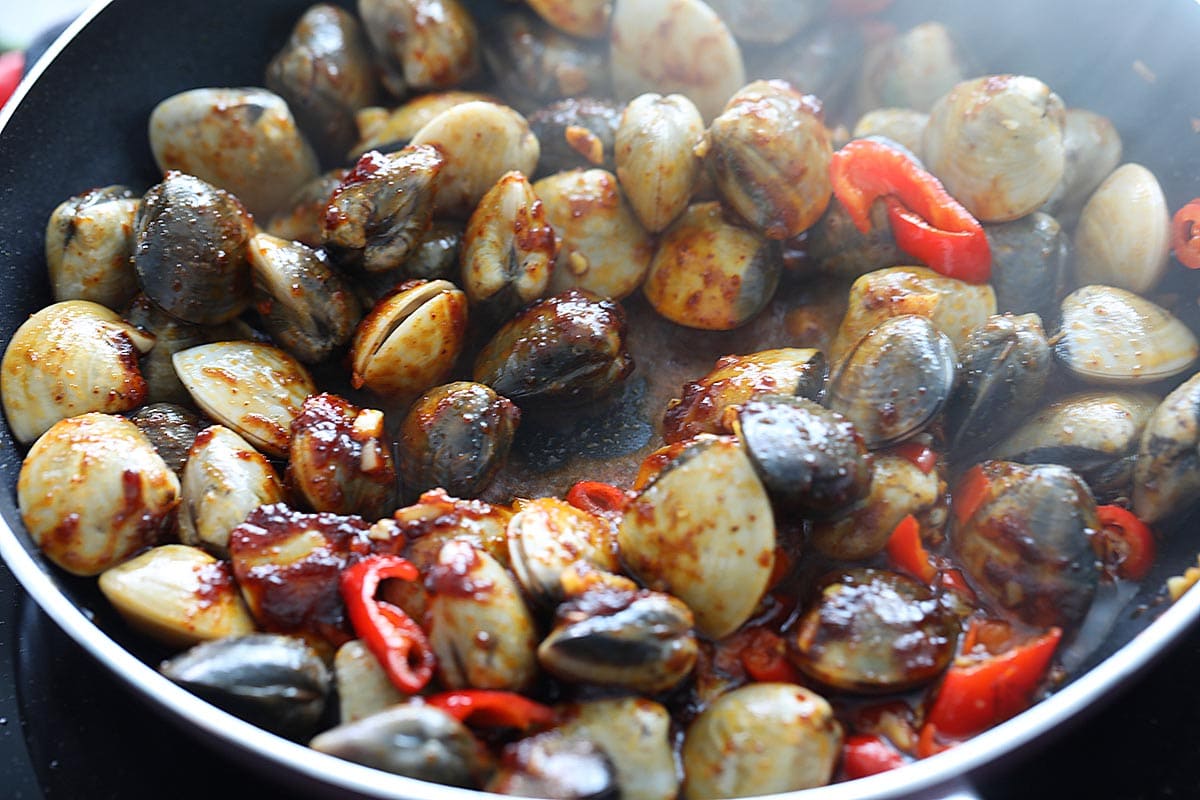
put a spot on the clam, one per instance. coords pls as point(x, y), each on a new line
point(769, 21)
point(875, 631)
point(586, 19)
point(636, 734)
point(243, 140)
point(411, 739)
point(761, 739)
point(170, 336)
point(769, 157)
point(223, 481)
point(674, 46)
point(824, 59)
point(481, 142)
point(508, 249)
point(479, 626)
point(171, 429)
point(325, 73)
point(1093, 433)
point(576, 133)
point(382, 207)
point(1093, 150)
point(1165, 475)
point(547, 536)
point(836, 246)
point(1030, 258)
point(555, 766)
point(711, 273)
point(904, 126)
point(300, 218)
point(305, 305)
point(1110, 336)
point(363, 686)
point(565, 349)
point(275, 682)
point(910, 70)
point(391, 129)
point(1123, 238)
point(89, 243)
point(410, 341)
point(734, 381)
point(603, 249)
point(704, 531)
point(43, 372)
point(895, 380)
point(177, 595)
point(1023, 538)
point(92, 491)
point(421, 44)
point(657, 156)
point(254, 389)
point(996, 142)
point(535, 62)
point(435, 256)
point(190, 254)
point(457, 437)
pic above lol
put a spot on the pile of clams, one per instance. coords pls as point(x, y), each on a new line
point(557, 302)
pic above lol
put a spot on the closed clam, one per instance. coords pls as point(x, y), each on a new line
point(548, 536)
point(391, 129)
point(340, 458)
point(912, 69)
point(623, 636)
point(276, 682)
point(325, 73)
point(457, 437)
point(190, 254)
point(300, 218)
point(1093, 150)
point(254, 389)
point(305, 305)
point(243, 140)
point(954, 307)
point(411, 739)
point(1095, 434)
point(565, 349)
point(362, 685)
point(898, 488)
point(656, 154)
point(809, 458)
point(481, 142)
point(636, 734)
point(895, 380)
point(421, 44)
point(555, 766)
point(1124, 233)
point(735, 380)
point(873, 630)
point(575, 133)
point(1023, 537)
point(769, 156)
point(89, 242)
point(761, 739)
point(382, 208)
point(479, 626)
point(704, 531)
point(710, 272)
point(534, 62)
point(508, 249)
point(177, 595)
point(996, 143)
point(170, 428)
point(1030, 264)
point(836, 246)
point(1004, 368)
point(223, 481)
point(410, 341)
point(603, 248)
point(675, 46)
point(587, 19)
point(92, 491)
point(1165, 477)
point(41, 374)
point(1110, 336)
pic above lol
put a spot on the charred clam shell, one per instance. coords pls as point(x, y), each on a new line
point(1110, 336)
point(1030, 258)
point(89, 243)
point(457, 437)
point(276, 682)
point(422, 45)
point(1166, 476)
point(172, 429)
point(535, 62)
point(191, 250)
point(575, 133)
point(565, 349)
point(895, 380)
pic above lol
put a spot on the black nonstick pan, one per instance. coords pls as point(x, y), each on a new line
point(80, 121)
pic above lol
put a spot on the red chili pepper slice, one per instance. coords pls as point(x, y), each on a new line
point(907, 551)
point(764, 657)
point(596, 497)
point(493, 708)
point(970, 494)
point(864, 755)
point(389, 633)
point(12, 65)
point(927, 222)
point(1185, 234)
point(1124, 543)
point(921, 456)
point(979, 692)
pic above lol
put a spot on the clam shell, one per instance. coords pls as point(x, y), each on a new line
point(1124, 234)
point(655, 154)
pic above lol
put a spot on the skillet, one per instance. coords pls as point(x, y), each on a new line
point(79, 121)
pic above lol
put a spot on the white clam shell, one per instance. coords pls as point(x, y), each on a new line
point(656, 159)
point(1124, 233)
